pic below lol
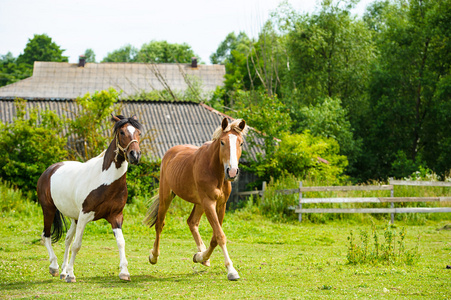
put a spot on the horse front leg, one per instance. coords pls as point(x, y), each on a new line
point(215, 219)
point(116, 224)
point(83, 219)
point(69, 237)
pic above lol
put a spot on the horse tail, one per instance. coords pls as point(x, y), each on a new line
point(59, 226)
point(152, 212)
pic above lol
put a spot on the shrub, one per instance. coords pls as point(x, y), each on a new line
point(142, 179)
point(29, 145)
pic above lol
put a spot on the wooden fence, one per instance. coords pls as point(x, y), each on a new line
point(392, 199)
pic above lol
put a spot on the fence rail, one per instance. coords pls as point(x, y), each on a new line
point(392, 200)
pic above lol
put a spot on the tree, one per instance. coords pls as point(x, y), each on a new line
point(330, 57)
point(90, 125)
point(164, 52)
point(41, 48)
point(11, 71)
point(126, 53)
point(90, 56)
point(223, 54)
point(409, 90)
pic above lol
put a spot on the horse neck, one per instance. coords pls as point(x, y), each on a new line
point(110, 155)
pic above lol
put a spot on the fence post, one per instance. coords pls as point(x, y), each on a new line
point(392, 205)
point(263, 190)
point(300, 200)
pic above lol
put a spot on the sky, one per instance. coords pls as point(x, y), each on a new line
point(105, 26)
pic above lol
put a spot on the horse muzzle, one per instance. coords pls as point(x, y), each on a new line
point(134, 157)
point(232, 173)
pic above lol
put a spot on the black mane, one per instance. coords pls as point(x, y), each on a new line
point(123, 120)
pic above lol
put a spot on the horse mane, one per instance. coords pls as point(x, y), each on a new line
point(123, 120)
point(232, 126)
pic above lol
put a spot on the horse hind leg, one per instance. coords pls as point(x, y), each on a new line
point(49, 212)
point(165, 199)
point(193, 223)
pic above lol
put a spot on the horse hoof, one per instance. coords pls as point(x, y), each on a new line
point(54, 272)
point(194, 257)
point(124, 276)
point(206, 263)
point(63, 276)
point(233, 276)
point(70, 279)
point(152, 260)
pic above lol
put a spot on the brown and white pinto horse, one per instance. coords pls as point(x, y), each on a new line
point(200, 175)
point(87, 192)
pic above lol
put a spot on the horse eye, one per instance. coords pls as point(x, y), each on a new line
point(241, 144)
point(222, 143)
point(122, 133)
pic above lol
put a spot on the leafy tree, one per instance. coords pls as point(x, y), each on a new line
point(223, 54)
point(41, 48)
point(408, 88)
point(11, 71)
point(126, 53)
point(30, 144)
point(90, 56)
point(90, 126)
point(330, 56)
point(164, 52)
point(329, 119)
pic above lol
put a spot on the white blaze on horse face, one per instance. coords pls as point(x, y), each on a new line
point(131, 129)
point(233, 160)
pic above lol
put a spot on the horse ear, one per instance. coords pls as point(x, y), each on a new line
point(114, 118)
point(134, 117)
point(242, 125)
point(224, 123)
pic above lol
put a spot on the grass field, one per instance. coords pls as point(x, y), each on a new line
point(274, 260)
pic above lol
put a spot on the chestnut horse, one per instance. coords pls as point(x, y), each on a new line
point(202, 176)
point(87, 192)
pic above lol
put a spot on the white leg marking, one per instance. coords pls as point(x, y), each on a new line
point(52, 257)
point(124, 274)
point(69, 237)
point(232, 274)
point(82, 221)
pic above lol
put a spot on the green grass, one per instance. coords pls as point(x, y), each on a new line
point(274, 260)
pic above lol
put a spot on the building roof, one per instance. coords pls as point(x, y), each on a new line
point(168, 123)
point(61, 80)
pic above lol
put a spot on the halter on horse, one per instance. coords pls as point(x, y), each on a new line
point(87, 192)
point(200, 175)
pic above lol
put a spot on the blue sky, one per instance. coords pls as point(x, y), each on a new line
point(104, 26)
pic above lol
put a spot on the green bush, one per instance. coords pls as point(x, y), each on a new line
point(28, 146)
point(142, 179)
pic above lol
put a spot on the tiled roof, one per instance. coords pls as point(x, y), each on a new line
point(60, 80)
point(170, 124)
